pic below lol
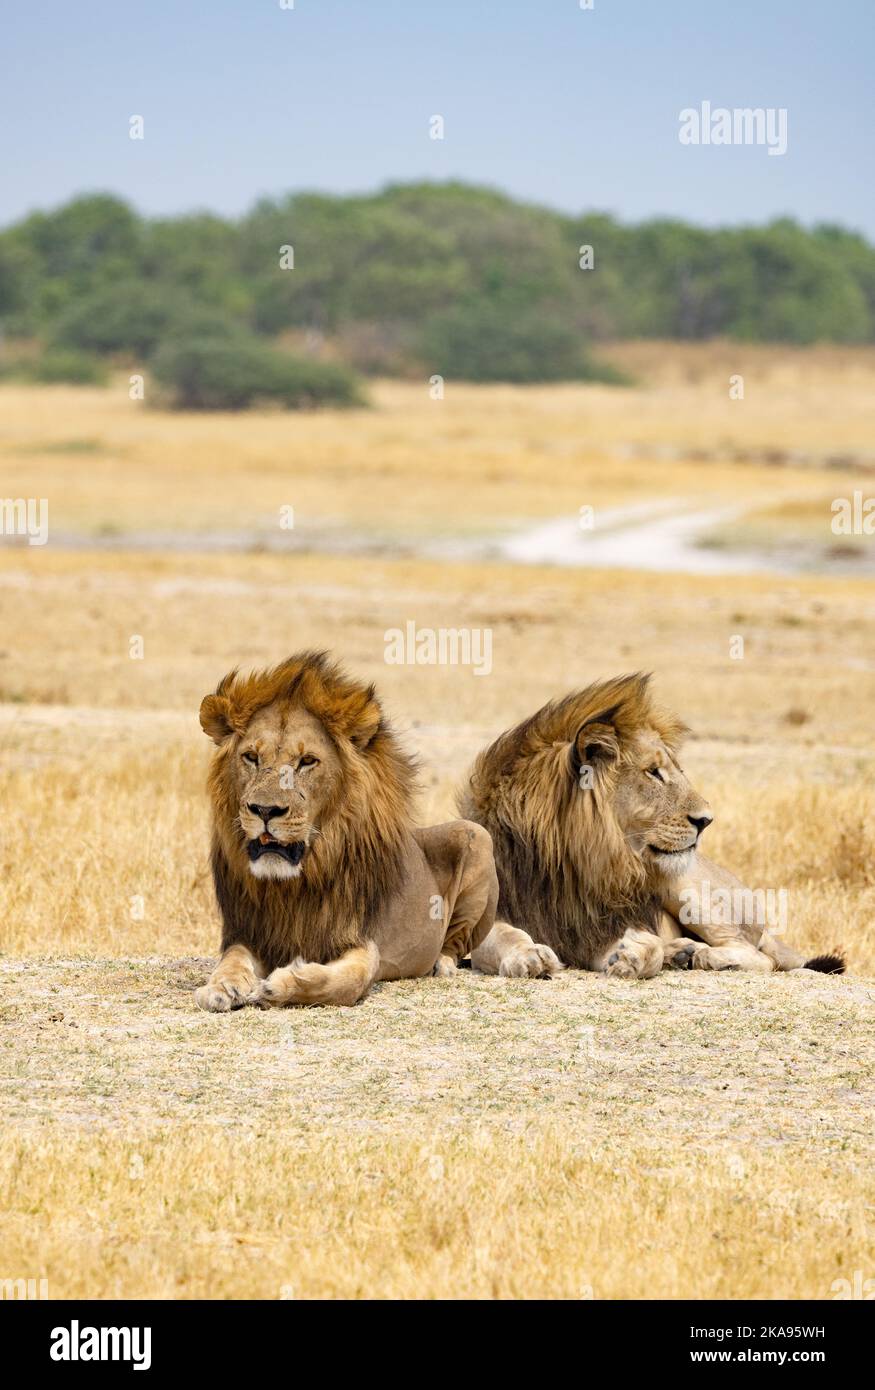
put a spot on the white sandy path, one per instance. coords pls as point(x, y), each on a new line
point(652, 536)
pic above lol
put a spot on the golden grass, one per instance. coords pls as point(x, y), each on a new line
point(708, 1137)
point(688, 1137)
point(481, 1215)
point(806, 519)
point(808, 642)
point(482, 458)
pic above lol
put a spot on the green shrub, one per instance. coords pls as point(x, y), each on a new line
point(206, 373)
point(489, 340)
point(135, 317)
point(55, 365)
point(65, 364)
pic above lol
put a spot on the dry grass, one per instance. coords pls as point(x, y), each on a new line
point(808, 642)
point(480, 1215)
point(482, 458)
point(450, 1139)
point(692, 1136)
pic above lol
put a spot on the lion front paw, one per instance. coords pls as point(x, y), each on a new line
point(623, 964)
point(680, 954)
point(636, 956)
point(277, 989)
point(533, 962)
point(220, 996)
point(302, 982)
point(714, 958)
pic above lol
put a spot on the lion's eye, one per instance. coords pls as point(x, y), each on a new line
point(251, 758)
point(308, 760)
point(655, 772)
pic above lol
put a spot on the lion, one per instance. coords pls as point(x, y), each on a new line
point(323, 883)
point(595, 830)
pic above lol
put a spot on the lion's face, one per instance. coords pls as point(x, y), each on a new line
point(285, 770)
point(281, 774)
point(646, 807)
point(307, 777)
point(660, 815)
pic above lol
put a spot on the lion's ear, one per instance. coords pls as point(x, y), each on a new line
point(367, 722)
point(595, 741)
point(215, 717)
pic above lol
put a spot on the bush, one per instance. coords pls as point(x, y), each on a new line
point(490, 340)
point(135, 317)
point(55, 366)
point(60, 364)
point(205, 373)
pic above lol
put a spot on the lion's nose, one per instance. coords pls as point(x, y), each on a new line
point(701, 822)
point(268, 813)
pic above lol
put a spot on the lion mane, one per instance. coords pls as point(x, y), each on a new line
point(357, 861)
point(565, 871)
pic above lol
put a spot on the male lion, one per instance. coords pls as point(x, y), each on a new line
point(323, 883)
point(595, 831)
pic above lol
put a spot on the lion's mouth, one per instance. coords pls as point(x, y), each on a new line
point(266, 844)
point(671, 853)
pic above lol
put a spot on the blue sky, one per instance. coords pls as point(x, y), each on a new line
point(575, 109)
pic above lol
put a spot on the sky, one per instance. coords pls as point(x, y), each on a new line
point(574, 108)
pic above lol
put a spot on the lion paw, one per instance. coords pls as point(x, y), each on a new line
point(220, 996)
point(531, 963)
point(622, 964)
point(279, 988)
point(445, 966)
point(680, 955)
point(713, 958)
point(298, 983)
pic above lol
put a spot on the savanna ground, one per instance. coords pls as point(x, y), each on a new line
point(689, 1136)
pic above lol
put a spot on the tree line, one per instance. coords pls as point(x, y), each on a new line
point(448, 278)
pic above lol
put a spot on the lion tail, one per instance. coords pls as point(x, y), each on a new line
point(833, 963)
